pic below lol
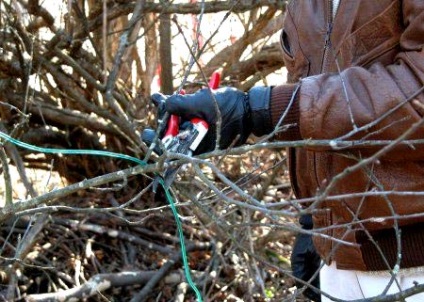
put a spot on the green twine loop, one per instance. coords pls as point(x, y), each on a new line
point(128, 158)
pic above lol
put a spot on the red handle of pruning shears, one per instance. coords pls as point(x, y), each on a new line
point(172, 129)
point(173, 122)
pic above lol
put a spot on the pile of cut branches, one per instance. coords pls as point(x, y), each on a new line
point(122, 244)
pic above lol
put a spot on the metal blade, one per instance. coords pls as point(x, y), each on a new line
point(170, 175)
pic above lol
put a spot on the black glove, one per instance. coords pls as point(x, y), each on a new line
point(305, 261)
point(241, 113)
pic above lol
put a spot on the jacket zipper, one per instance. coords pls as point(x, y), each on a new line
point(327, 40)
point(324, 64)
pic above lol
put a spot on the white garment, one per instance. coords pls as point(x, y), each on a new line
point(353, 285)
point(335, 7)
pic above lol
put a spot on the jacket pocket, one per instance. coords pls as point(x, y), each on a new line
point(323, 233)
point(374, 40)
point(284, 40)
point(296, 63)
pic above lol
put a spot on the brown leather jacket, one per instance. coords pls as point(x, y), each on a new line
point(361, 76)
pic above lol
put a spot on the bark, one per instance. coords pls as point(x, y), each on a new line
point(165, 50)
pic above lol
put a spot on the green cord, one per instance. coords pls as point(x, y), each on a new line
point(128, 158)
point(183, 249)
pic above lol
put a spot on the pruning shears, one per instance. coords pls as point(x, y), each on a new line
point(184, 141)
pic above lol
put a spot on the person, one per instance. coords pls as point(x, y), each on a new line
point(355, 74)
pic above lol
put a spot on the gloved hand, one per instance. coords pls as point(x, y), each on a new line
point(305, 261)
point(241, 113)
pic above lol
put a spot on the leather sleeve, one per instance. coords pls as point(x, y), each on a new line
point(376, 102)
